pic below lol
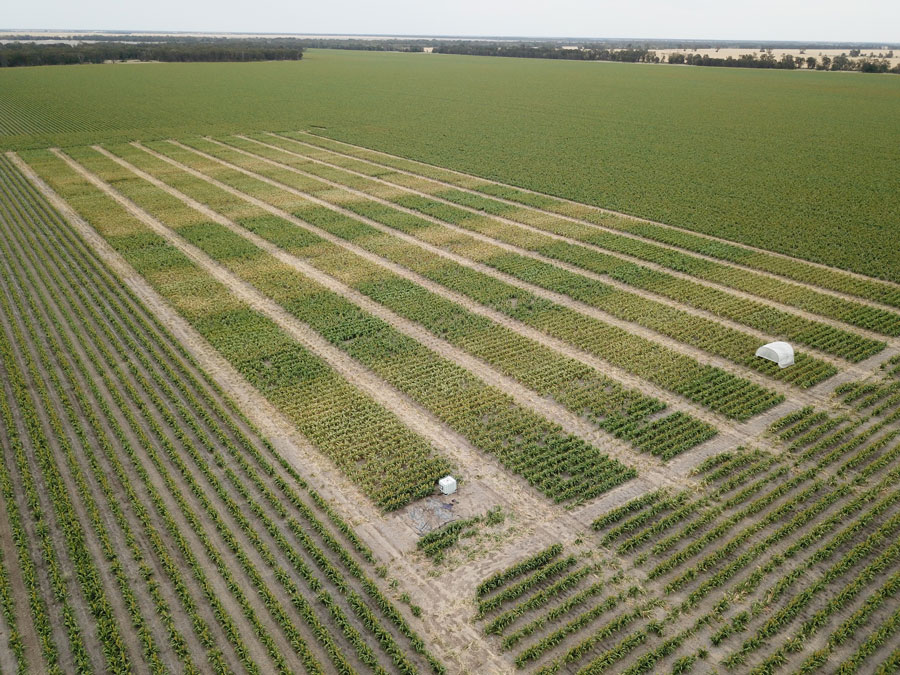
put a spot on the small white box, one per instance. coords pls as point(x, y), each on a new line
point(447, 485)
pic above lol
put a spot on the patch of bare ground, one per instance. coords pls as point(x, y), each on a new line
point(618, 214)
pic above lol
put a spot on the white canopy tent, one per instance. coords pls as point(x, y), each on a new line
point(779, 352)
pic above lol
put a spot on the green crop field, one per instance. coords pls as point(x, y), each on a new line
point(720, 151)
point(250, 314)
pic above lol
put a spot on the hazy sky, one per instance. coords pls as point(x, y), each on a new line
point(826, 20)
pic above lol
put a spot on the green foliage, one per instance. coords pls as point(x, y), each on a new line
point(717, 180)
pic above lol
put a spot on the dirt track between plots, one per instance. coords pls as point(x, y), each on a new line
point(621, 214)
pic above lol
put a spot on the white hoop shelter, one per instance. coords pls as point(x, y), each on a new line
point(779, 352)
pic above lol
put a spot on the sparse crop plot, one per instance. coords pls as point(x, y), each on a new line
point(236, 359)
point(100, 396)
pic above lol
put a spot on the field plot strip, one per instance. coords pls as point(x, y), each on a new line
point(564, 247)
point(712, 341)
point(757, 398)
point(95, 436)
point(488, 419)
point(844, 283)
point(410, 413)
point(677, 275)
point(498, 317)
point(280, 500)
point(554, 412)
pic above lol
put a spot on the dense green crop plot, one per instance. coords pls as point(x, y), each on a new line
point(804, 163)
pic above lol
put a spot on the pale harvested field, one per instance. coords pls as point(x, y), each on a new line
point(801, 54)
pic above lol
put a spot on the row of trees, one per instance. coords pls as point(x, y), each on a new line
point(788, 62)
point(32, 54)
point(629, 55)
point(641, 55)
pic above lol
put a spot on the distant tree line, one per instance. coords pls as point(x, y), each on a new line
point(628, 54)
point(642, 55)
point(147, 47)
point(788, 62)
point(38, 54)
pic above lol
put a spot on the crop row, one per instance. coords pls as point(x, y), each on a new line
point(791, 610)
point(824, 550)
point(499, 624)
point(575, 385)
point(535, 562)
point(704, 384)
point(161, 365)
point(706, 334)
point(628, 508)
point(658, 507)
point(471, 210)
point(436, 542)
point(791, 268)
point(539, 576)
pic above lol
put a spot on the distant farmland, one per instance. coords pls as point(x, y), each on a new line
point(240, 347)
point(788, 161)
